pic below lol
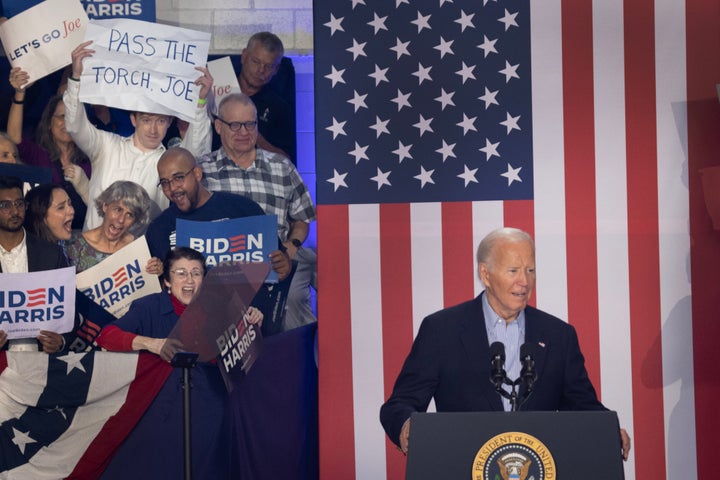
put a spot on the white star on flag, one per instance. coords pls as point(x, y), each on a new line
point(445, 98)
point(423, 125)
point(423, 73)
point(488, 46)
point(381, 178)
point(337, 128)
point(335, 24)
point(402, 100)
point(444, 47)
point(357, 49)
point(446, 150)
point(338, 180)
point(489, 98)
point(512, 174)
point(467, 124)
point(401, 48)
point(380, 127)
point(465, 20)
point(508, 20)
point(403, 152)
point(490, 149)
point(466, 72)
point(358, 101)
point(378, 23)
point(422, 22)
point(359, 153)
point(335, 76)
point(21, 439)
point(468, 175)
point(379, 75)
point(425, 176)
point(73, 361)
point(510, 71)
point(511, 123)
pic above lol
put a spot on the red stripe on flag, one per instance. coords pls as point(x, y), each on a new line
point(150, 375)
point(580, 198)
point(336, 427)
point(397, 325)
point(457, 237)
point(643, 242)
point(703, 72)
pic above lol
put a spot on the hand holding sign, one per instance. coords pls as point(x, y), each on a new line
point(80, 53)
point(205, 83)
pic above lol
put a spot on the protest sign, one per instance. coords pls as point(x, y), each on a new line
point(225, 81)
point(214, 324)
point(246, 239)
point(40, 39)
point(119, 279)
point(30, 302)
point(142, 66)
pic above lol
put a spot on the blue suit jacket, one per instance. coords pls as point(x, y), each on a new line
point(450, 361)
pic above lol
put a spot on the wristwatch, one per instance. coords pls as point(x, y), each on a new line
point(296, 242)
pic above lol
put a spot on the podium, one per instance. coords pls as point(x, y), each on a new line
point(525, 445)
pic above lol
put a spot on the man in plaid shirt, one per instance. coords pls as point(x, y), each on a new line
point(271, 180)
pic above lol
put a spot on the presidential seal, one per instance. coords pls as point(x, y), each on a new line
point(513, 456)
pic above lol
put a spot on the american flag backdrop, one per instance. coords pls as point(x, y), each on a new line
point(583, 122)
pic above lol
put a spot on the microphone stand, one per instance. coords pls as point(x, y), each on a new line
point(186, 361)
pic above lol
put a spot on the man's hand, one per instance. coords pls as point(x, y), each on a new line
point(80, 53)
point(166, 348)
point(51, 342)
point(405, 436)
point(625, 438)
point(280, 262)
point(205, 82)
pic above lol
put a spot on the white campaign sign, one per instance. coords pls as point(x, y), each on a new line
point(30, 302)
point(119, 279)
point(40, 39)
point(144, 66)
point(225, 81)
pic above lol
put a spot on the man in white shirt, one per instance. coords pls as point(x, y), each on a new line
point(21, 252)
point(133, 158)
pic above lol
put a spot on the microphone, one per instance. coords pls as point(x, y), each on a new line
point(528, 373)
point(497, 363)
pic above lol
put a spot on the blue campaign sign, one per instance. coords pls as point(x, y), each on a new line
point(97, 9)
point(247, 239)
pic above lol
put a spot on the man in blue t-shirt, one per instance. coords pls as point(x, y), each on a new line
point(180, 180)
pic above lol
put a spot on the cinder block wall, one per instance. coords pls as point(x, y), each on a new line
point(231, 22)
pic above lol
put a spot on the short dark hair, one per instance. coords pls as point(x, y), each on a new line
point(176, 254)
point(8, 183)
point(267, 40)
point(39, 199)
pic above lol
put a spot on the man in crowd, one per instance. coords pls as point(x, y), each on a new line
point(131, 158)
point(451, 352)
point(21, 252)
point(180, 181)
point(241, 167)
point(259, 63)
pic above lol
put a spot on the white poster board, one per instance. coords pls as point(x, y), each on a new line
point(40, 39)
point(30, 302)
point(225, 81)
point(144, 66)
point(120, 279)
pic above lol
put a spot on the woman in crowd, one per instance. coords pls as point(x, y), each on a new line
point(148, 322)
point(53, 147)
point(146, 326)
point(49, 213)
point(121, 206)
point(8, 150)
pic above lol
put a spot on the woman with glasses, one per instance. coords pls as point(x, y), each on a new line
point(148, 322)
point(146, 326)
point(121, 206)
point(53, 147)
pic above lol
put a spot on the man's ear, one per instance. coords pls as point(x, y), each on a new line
point(483, 273)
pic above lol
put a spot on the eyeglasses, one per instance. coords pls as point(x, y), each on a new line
point(6, 205)
point(236, 126)
point(182, 274)
point(176, 180)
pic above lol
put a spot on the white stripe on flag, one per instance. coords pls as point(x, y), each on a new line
point(487, 216)
point(367, 352)
point(548, 157)
point(427, 261)
point(673, 209)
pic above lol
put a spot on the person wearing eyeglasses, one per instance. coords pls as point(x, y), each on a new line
point(22, 252)
point(134, 158)
point(150, 319)
point(146, 326)
point(241, 167)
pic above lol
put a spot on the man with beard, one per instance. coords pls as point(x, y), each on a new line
point(21, 252)
point(180, 181)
